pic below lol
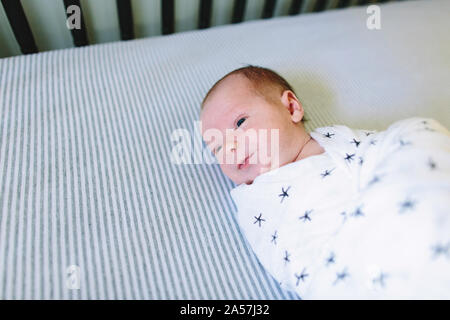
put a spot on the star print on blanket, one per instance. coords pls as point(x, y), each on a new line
point(368, 218)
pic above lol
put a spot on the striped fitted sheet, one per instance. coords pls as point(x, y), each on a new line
point(85, 142)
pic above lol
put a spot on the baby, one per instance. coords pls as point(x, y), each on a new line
point(337, 212)
point(255, 98)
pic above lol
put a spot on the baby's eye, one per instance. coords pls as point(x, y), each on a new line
point(217, 150)
point(240, 121)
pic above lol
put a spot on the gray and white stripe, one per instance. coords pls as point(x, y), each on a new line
point(86, 180)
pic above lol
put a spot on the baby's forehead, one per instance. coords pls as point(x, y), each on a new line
point(229, 97)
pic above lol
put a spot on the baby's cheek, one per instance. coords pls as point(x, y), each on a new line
point(221, 159)
point(228, 170)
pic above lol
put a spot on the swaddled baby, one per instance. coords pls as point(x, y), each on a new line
point(337, 212)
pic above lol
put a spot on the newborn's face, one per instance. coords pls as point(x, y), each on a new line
point(232, 119)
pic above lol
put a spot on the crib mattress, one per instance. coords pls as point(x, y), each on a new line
point(91, 207)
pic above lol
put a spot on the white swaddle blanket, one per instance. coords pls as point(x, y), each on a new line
point(368, 218)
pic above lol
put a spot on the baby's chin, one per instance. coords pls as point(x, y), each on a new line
point(248, 175)
point(244, 176)
point(242, 181)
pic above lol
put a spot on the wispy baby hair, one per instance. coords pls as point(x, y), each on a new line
point(263, 80)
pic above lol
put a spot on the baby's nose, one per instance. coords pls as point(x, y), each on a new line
point(231, 146)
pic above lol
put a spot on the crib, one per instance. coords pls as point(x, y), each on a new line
point(234, 12)
point(91, 205)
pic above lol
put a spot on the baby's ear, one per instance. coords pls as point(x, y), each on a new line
point(293, 105)
point(297, 116)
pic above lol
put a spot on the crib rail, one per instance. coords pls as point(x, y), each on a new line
point(79, 35)
point(20, 26)
point(24, 37)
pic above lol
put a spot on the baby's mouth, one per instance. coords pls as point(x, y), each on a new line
point(245, 163)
